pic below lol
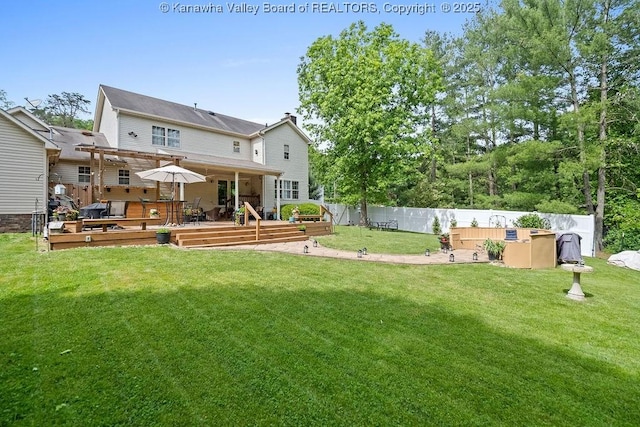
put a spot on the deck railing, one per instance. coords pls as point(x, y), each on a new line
point(249, 210)
point(323, 210)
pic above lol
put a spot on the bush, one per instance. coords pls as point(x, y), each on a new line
point(618, 240)
point(557, 207)
point(305, 209)
point(474, 223)
point(435, 226)
point(532, 220)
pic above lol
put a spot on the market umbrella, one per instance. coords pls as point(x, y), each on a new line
point(172, 174)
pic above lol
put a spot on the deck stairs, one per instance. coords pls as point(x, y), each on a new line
point(238, 235)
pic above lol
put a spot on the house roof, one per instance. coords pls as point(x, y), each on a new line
point(67, 139)
point(154, 107)
point(49, 145)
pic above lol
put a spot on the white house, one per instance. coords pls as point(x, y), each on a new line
point(23, 169)
point(232, 153)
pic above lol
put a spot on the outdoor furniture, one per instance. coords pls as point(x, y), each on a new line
point(313, 218)
point(144, 203)
point(107, 209)
point(389, 225)
point(93, 210)
point(194, 210)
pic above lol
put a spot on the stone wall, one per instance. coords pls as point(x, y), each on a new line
point(18, 223)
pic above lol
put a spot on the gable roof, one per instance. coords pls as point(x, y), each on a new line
point(135, 103)
point(16, 111)
point(47, 144)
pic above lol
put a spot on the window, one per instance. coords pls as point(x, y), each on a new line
point(286, 151)
point(157, 135)
point(289, 190)
point(123, 177)
point(165, 137)
point(173, 138)
point(236, 146)
point(84, 174)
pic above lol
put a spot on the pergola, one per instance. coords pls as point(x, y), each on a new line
point(101, 151)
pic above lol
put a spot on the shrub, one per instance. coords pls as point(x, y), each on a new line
point(454, 222)
point(435, 226)
point(474, 223)
point(618, 240)
point(305, 209)
point(532, 220)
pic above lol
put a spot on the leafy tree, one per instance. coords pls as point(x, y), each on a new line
point(63, 110)
point(5, 104)
point(367, 96)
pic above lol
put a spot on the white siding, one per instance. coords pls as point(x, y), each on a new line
point(192, 140)
point(24, 118)
point(109, 123)
point(22, 169)
point(68, 172)
point(296, 168)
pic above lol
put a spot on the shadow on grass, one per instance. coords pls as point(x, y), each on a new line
point(248, 355)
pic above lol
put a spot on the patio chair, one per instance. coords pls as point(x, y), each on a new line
point(144, 203)
point(194, 211)
point(107, 210)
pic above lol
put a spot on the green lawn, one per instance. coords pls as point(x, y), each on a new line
point(161, 336)
point(378, 241)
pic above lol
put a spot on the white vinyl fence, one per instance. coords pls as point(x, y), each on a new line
point(420, 220)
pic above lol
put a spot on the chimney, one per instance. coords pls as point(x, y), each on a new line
point(289, 116)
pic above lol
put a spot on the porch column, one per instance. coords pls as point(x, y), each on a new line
point(278, 184)
point(237, 195)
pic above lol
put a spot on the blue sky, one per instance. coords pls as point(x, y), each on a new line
point(235, 63)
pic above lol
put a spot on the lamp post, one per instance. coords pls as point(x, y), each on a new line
point(451, 258)
point(359, 253)
point(475, 256)
point(427, 252)
point(305, 249)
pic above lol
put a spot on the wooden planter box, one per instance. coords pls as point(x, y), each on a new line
point(73, 226)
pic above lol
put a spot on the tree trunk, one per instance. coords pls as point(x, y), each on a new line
point(586, 181)
point(602, 168)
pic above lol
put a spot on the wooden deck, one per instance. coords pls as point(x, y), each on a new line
point(206, 234)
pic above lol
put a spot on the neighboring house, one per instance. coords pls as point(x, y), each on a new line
point(26, 154)
point(232, 153)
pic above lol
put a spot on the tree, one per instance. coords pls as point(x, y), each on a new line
point(63, 110)
point(367, 95)
point(5, 104)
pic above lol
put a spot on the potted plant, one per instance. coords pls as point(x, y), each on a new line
point(154, 213)
point(494, 248)
point(163, 235)
point(444, 241)
point(303, 228)
point(240, 215)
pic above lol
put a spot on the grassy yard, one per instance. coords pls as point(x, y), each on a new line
point(161, 336)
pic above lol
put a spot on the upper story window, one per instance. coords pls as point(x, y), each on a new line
point(123, 177)
point(165, 136)
point(236, 146)
point(84, 174)
point(286, 151)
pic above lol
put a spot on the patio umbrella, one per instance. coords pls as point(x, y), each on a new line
point(172, 174)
